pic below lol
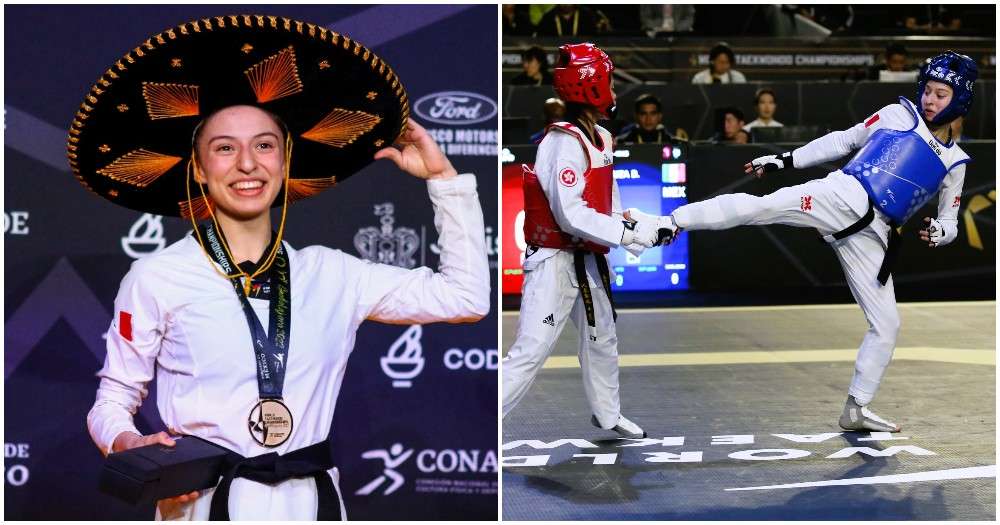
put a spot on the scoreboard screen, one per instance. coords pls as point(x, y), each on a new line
point(652, 178)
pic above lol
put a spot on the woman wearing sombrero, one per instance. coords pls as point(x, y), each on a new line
point(220, 120)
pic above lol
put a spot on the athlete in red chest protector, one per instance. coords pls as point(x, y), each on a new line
point(573, 216)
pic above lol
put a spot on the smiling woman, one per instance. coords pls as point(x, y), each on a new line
point(216, 143)
point(239, 148)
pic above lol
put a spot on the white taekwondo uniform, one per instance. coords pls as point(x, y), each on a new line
point(187, 326)
point(551, 293)
point(832, 204)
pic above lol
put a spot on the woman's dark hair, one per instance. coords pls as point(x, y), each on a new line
point(721, 48)
point(198, 129)
point(538, 54)
point(763, 91)
point(574, 110)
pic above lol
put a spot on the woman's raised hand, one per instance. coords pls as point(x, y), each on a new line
point(417, 154)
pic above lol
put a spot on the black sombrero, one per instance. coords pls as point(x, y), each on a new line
point(131, 139)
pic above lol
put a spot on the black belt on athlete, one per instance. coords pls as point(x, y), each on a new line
point(312, 461)
point(891, 251)
point(579, 263)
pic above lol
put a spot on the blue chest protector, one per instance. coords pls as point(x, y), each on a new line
point(899, 170)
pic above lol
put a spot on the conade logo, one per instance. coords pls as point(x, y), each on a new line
point(455, 107)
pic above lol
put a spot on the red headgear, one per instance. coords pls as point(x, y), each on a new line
point(583, 75)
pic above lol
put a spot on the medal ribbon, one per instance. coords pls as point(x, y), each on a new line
point(270, 348)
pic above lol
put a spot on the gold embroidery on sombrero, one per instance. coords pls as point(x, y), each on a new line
point(170, 100)
point(301, 188)
point(275, 77)
point(341, 127)
point(197, 206)
point(139, 167)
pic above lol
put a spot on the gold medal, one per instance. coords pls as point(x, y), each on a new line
point(270, 422)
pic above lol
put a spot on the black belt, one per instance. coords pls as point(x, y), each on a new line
point(891, 251)
point(313, 460)
point(580, 265)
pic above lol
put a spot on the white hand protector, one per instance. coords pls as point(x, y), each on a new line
point(770, 163)
point(938, 234)
point(634, 248)
point(644, 233)
point(649, 230)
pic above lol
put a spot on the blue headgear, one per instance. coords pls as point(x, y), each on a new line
point(958, 71)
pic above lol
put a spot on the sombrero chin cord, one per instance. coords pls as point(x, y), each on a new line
point(192, 166)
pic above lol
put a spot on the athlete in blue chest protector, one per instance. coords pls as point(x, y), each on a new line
point(905, 154)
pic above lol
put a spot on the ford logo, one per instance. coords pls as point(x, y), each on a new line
point(455, 107)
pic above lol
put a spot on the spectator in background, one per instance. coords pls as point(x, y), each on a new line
point(895, 59)
point(721, 60)
point(932, 19)
point(516, 21)
point(554, 110)
point(766, 105)
point(568, 20)
point(731, 125)
point(648, 127)
point(536, 69)
point(666, 18)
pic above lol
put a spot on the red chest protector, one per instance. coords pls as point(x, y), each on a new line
point(540, 226)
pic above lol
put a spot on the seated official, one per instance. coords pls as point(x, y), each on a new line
point(648, 127)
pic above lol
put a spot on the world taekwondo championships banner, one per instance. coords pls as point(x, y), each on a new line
point(415, 430)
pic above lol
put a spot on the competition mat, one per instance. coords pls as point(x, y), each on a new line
point(741, 407)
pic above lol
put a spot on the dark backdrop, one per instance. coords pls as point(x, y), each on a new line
point(827, 106)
